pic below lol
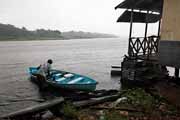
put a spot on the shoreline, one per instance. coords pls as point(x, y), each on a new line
point(11, 40)
point(126, 104)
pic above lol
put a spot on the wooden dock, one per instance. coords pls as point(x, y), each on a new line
point(30, 111)
point(55, 105)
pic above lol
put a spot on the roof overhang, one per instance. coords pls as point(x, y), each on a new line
point(146, 5)
point(139, 17)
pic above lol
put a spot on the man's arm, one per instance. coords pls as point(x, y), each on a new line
point(39, 67)
point(49, 69)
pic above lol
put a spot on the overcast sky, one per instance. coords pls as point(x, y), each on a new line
point(65, 15)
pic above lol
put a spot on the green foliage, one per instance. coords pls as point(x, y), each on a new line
point(114, 115)
point(10, 32)
point(81, 34)
point(70, 111)
point(138, 98)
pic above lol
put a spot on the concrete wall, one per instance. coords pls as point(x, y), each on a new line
point(169, 54)
point(169, 49)
point(170, 28)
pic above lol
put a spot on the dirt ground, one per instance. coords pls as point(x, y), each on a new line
point(138, 104)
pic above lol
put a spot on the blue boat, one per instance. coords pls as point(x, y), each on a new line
point(67, 80)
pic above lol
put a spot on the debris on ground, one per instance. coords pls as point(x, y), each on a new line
point(134, 104)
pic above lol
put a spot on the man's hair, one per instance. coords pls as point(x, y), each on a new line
point(50, 61)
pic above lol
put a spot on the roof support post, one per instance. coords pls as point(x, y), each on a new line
point(130, 33)
point(131, 23)
point(158, 37)
point(146, 28)
point(161, 12)
point(176, 73)
point(145, 34)
point(159, 27)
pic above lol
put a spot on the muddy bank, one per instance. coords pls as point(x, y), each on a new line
point(131, 104)
point(134, 104)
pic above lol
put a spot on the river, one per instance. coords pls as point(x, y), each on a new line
point(90, 57)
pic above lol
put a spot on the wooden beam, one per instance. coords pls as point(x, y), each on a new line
point(35, 109)
point(94, 101)
point(117, 108)
point(115, 66)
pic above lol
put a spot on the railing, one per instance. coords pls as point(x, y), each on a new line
point(143, 46)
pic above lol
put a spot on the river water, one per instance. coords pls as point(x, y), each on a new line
point(90, 57)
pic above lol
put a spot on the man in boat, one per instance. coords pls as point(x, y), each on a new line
point(44, 69)
point(43, 73)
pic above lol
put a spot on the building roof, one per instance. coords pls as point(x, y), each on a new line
point(139, 17)
point(147, 5)
point(141, 5)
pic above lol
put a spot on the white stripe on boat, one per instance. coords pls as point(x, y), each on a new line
point(75, 80)
point(58, 74)
point(68, 75)
point(60, 79)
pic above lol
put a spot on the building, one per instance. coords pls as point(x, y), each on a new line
point(148, 56)
point(169, 48)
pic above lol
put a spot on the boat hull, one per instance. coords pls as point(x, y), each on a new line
point(72, 82)
point(78, 87)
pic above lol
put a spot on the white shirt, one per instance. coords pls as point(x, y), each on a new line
point(44, 68)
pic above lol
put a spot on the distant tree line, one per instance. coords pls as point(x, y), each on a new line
point(10, 32)
point(81, 35)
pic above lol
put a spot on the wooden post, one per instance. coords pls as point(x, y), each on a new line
point(159, 27)
point(161, 12)
point(158, 37)
point(130, 32)
point(146, 28)
point(176, 74)
point(148, 47)
point(131, 23)
point(35, 109)
point(145, 34)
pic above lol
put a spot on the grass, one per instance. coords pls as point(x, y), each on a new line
point(70, 111)
point(147, 106)
point(114, 115)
